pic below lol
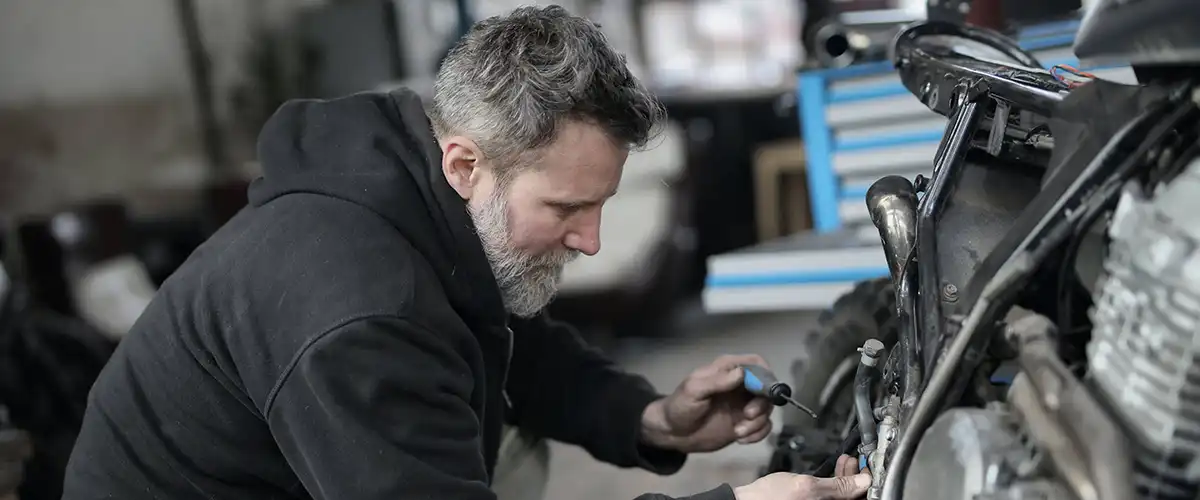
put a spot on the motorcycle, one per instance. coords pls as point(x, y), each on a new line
point(1038, 335)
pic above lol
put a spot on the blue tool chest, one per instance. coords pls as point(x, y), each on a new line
point(860, 123)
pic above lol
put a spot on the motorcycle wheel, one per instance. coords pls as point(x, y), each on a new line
point(866, 312)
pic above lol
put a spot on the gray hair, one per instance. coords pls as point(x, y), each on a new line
point(512, 81)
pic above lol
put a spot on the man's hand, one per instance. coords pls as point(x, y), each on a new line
point(848, 485)
point(709, 410)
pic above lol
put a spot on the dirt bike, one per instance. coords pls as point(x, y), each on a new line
point(1038, 336)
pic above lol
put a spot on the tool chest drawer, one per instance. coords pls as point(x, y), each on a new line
point(859, 124)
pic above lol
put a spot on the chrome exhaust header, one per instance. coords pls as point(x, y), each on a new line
point(892, 202)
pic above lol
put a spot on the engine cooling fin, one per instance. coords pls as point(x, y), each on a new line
point(1145, 350)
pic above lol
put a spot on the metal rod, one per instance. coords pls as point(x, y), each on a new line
point(802, 408)
point(946, 168)
point(863, 400)
point(1083, 441)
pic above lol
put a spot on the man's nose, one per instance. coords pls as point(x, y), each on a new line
point(585, 237)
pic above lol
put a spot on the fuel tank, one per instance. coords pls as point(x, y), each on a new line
point(1140, 33)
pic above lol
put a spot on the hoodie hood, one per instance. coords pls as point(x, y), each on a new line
point(377, 150)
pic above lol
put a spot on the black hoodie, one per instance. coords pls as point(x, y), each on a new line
point(343, 338)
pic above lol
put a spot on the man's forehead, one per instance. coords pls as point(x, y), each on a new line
point(582, 182)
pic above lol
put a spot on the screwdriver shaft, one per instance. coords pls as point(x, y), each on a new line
point(803, 408)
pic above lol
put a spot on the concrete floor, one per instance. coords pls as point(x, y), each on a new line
point(665, 362)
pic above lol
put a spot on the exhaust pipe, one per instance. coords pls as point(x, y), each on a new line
point(842, 39)
point(832, 46)
point(892, 202)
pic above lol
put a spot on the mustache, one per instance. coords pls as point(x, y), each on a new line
point(554, 259)
point(562, 256)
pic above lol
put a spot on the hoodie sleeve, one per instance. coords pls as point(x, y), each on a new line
point(377, 409)
point(565, 390)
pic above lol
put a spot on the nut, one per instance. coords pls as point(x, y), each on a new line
point(950, 292)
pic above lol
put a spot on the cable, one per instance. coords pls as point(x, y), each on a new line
point(1073, 77)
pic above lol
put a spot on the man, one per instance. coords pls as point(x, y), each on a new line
point(363, 329)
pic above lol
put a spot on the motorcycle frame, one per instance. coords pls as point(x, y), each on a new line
point(1028, 219)
point(965, 210)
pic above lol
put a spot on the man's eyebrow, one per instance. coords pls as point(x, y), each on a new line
point(584, 202)
point(573, 203)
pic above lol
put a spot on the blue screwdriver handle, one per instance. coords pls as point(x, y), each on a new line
point(759, 381)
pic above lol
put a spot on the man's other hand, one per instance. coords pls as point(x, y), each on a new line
point(709, 410)
point(848, 485)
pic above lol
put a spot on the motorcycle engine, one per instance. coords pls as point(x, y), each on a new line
point(1143, 362)
point(1143, 357)
point(978, 454)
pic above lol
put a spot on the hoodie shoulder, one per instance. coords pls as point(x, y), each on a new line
point(332, 255)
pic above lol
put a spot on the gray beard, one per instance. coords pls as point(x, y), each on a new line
point(527, 282)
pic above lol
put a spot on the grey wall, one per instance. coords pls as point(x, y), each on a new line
point(95, 96)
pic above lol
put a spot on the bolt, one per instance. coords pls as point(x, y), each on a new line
point(950, 293)
point(872, 348)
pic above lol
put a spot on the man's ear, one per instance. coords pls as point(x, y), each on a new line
point(461, 164)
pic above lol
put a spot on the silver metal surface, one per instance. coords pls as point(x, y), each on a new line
point(1018, 267)
point(828, 38)
point(877, 461)
point(808, 411)
point(965, 453)
point(892, 202)
point(871, 351)
point(942, 377)
point(1087, 447)
point(1042, 489)
point(1145, 349)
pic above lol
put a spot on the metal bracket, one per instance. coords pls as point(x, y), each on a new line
point(999, 126)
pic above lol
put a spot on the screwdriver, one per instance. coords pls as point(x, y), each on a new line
point(759, 381)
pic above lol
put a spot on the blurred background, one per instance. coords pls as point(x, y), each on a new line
point(127, 131)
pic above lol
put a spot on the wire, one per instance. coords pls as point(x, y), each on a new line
point(1070, 75)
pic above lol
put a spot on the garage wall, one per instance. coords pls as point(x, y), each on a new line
point(71, 51)
point(95, 97)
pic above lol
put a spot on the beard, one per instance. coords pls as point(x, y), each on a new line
point(528, 282)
